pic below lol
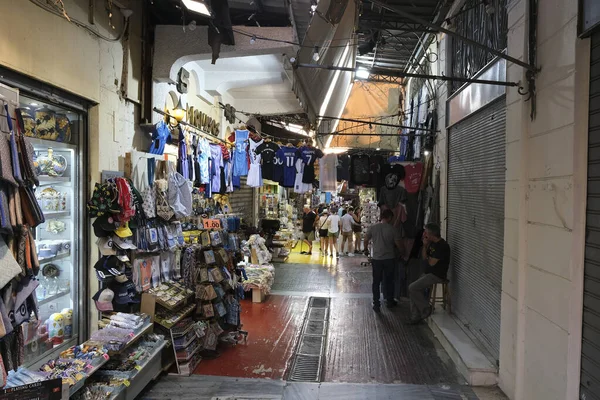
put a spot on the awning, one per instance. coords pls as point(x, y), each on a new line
point(322, 91)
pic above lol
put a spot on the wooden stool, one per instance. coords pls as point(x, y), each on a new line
point(444, 298)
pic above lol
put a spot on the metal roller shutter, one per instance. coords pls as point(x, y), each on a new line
point(590, 351)
point(242, 201)
point(476, 179)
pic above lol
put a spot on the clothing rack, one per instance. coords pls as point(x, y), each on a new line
point(196, 130)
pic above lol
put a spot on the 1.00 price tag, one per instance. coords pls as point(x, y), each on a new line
point(211, 223)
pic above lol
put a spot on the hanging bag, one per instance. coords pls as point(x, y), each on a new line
point(149, 194)
point(161, 186)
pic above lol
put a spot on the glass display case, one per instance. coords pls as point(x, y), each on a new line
point(54, 132)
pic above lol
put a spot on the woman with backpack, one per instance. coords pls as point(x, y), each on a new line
point(321, 226)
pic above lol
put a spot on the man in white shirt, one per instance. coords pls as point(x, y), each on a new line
point(347, 232)
point(333, 232)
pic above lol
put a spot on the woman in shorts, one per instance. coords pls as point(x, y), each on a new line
point(322, 227)
point(333, 232)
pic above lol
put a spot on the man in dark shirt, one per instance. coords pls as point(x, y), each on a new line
point(436, 259)
point(308, 229)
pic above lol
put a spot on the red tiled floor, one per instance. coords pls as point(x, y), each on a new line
point(272, 330)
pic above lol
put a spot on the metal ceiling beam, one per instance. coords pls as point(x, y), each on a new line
point(368, 134)
point(431, 25)
point(373, 23)
point(367, 122)
point(401, 74)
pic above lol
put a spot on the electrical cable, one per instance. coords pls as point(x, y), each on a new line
point(78, 23)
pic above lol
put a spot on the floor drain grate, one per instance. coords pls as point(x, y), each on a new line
point(306, 369)
point(308, 358)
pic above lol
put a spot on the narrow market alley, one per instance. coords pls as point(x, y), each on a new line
point(366, 356)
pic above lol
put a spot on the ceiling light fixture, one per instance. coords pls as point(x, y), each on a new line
point(33, 104)
point(198, 6)
point(316, 55)
point(426, 152)
point(179, 111)
point(362, 73)
point(377, 149)
point(253, 39)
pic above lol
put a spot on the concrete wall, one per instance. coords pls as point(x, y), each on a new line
point(542, 287)
point(53, 50)
point(546, 170)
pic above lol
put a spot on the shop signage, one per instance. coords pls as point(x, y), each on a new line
point(183, 80)
point(202, 121)
point(589, 17)
point(47, 390)
point(211, 223)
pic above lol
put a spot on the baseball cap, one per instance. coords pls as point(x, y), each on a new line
point(107, 268)
point(124, 231)
point(106, 246)
point(123, 244)
point(105, 225)
point(103, 299)
point(125, 293)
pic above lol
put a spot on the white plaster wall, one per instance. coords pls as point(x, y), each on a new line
point(52, 50)
point(546, 170)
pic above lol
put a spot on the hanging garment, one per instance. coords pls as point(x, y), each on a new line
point(229, 176)
point(328, 173)
point(203, 156)
point(287, 156)
point(412, 180)
point(309, 155)
point(216, 157)
point(359, 169)
point(267, 152)
point(343, 167)
point(160, 136)
point(254, 174)
point(299, 185)
point(376, 168)
point(240, 154)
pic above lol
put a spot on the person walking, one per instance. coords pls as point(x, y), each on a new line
point(357, 229)
point(385, 240)
point(347, 232)
point(308, 229)
point(333, 232)
point(436, 259)
point(323, 231)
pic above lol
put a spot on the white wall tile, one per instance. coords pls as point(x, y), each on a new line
point(511, 200)
point(545, 359)
point(513, 160)
point(552, 153)
point(555, 106)
point(514, 122)
point(510, 276)
point(551, 202)
point(511, 238)
point(548, 294)
point(557, 56)
point(552, 16)
point(516, 12)
point(548, 249)
point(508, 344)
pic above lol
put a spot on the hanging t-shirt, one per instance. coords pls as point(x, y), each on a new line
point(328, 173)
point(203, 156)
point(343, 167)
point(309, 155)
point(299, 186)
point(240, 154)
point(267, 152)
point(412, 180)
point(376, 166)
point(254, 174)
point(287, 157)
point(359, 169)
point(216, 167)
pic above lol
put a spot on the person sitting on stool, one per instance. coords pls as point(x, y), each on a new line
point(436, 257)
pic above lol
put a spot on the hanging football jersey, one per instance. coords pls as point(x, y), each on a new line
point(412, 180)
point(309, 155)
point(240, 154)
point(216, 165)
point(203, 156)
point(254, 174)
point(299, 186)
point(287, 156)
point(267, 151)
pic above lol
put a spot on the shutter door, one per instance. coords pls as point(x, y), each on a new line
point(590, 351)
point(476, 179)
point(242, 202)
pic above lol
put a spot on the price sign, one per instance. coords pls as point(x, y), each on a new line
point(126, 383)
point(211, 223)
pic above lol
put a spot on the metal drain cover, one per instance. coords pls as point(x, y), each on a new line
point(311, 345)
point(249, 397)
point(319, 302)
point(317, 314)
point(306, 369)
point(315, 328)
